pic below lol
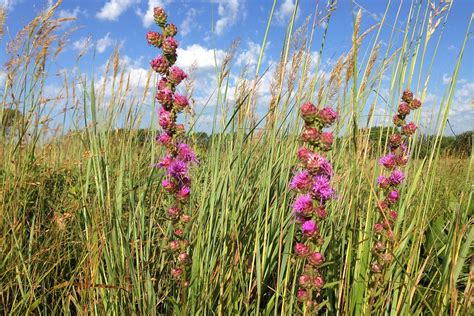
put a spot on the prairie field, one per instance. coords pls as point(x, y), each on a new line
point(84, 221)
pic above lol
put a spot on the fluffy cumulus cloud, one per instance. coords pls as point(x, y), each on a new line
point(199, 57)
point(189, 22)
point(285, 10)
point(249, 57)
point(69, 13)
point(229, 11)
point(104, 43)
point(112, 9)
point(82, 44)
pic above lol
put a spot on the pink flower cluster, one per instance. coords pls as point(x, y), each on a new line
point(179, 155)
point(390, 181)
point(312, 183)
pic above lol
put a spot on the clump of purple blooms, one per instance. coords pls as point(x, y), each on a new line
point(389, 183)
point(179, 155)
point(312, 183)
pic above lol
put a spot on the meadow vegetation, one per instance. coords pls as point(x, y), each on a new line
point(83, 229)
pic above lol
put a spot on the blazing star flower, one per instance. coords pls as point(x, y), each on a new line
point(314, 162)
point(168, 185)
point(322, 188)
point(393, 196)
point(407, 96)
point(185, 153)
point(319, 282)
point(169, 46)
point(309, 112)
point(301, 250)
point(383, 182)
point(395, 140)
point(165, 119)
point(166, 161)
point(398, 121)
point(310, 135)
point(303, 154)
point(162, 84)
point(183, 193)
point(170, 30)
point(164, 139)
point(415, 104)
point(327, 116)
point(302, 295)
point(316, 259)
point(301, 181)
point(160, 65)
point(403, 109)
point(176, 75)
point(178, 169)
point(165, 97)
point(396, 177)
point(409, 129)
point(309, 228)
point(388, 161)
point(303, 204)
point(180, 101)
point(154, 38)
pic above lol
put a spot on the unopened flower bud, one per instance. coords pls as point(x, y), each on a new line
point(409, 129)
point(169, 46)
point(316, 259)
point(310, 135)
point(376, 268)
point(393, 196)
point(154, 38)
point(185, 218)
point(398, 121)
point(160, 16)
point(173, 245)
point(174, 212)
point(415, 104)
point(304, 280)
point(327, 116)
point(319, 282)
point(160, 65)
point(168, 185)
point(170, 30)
point(403, 109)
point(176, 273)
point(179, 232)
point(407, 96)
point(379, 246)
point(383, 182)
point(395, 140)
point(326, 139)
point(378, 228)
point(301, 250)
point(309, 112)
point(183, 258)
point(302, 295)
point(176, 75)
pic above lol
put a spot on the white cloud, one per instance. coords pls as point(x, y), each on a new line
point(228, 11)
point(82, 44)
point(189, 22)
point(69, 13)
point(112, 9)
point(447, 79)
point(200, 57)
point(104, 43)
point(285, 10)
point(3, 78)
point(147, 17)
point(250, 56)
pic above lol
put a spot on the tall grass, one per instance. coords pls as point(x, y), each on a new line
point(83, 229)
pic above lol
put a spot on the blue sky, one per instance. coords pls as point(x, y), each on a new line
point(205, 26)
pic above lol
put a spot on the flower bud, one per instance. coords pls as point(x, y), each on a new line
point(304, 280)
point(170, 30)
point(176, 75)
point(164, 139)
point(179, 232)
point(154, 38)
point(396, 177)
point(162, 84)
point(173, 245)
point(302, 295)
point(407, 96)
point(310, 135)
point(321, 212)
point(185, 218)
point(379, 246)
point(169, 46)
point(376, 268)
point(398, 121)
point(393, 215)
point(180, 101)
point(326, 139)
point(174, 212)
point(378, 228)
point(184, 243)
point(160, 65)
point(393, 196)
point(319, 282)
point(415, 104)
point(180, 129)
point(176, 273)
point(386, 257)
point(409, 129)
point(309, 112)
point(165, 97)
point(183, 193)
point(301, 250)
point(403, 109)
point(309, 228)
point(168, 185)
point(183, 258)
point(160, 16)
point(382, 205)
point(395, 140)
point(303, 154)
point(327, 116)
point(316, 259)
point(383, 182)
point(165, 119)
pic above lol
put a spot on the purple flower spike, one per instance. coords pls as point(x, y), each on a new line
point(322, 188)
point(303, 205)
point(396, 177)
point(178, 169)
point(388, 161)
point(301, 181)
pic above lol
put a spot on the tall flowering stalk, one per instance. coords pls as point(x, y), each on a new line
point(388, 184)
point(179, 155)
point(313, 187)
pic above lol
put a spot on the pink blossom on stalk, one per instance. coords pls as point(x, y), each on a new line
point(383, 182)
point(404, 109)
point(393, 215)
point(160, 16)
point(154, 38)
point(164, 139)
point(302, 294)
point(176, 272)
point(393, 196)
point(319, 282)
point(322, 188)
point(396, 177)
point(160, 65)
point(180, 101)
point(309, 228)
point(326, 139)
point(166, 161)
point(327, 116)
point(174, 245)
point(316, 258)
point(309, 112)
point(304, 280)
point(301, 181)
point(388, 161)
point(303, 204)
point(165, 97)
point(176, 75)
point(301, 250)
point(162, 84)
point(310, 135)
point(395, 140)
point(169, 46)
point(398, 121)
point(183, 193)
point(165, 119)
point(415, 104)
point(185, 153)
point(409, 129)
